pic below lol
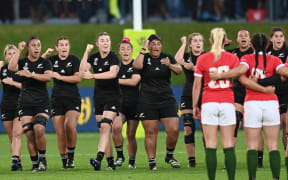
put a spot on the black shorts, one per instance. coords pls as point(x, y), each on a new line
point(239, 96)
point(156, 112)
point(129, 109)
point(283, 102)
point(59, 108)
point(33, 110)
point(111, 106)
point(186, 102)
point(8, 114)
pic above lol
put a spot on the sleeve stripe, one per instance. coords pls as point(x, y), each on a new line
point(279, 66)
point(198, 75)
point(244, 63)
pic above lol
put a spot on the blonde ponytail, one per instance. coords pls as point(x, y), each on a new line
point(218, 36)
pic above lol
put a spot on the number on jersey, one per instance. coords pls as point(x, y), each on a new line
point(258, 73)
point(223, 83)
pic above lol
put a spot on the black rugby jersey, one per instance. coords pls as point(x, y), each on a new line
point(236, 85)
point(282, 87)
point(126, 72)
point(10, 93)
point(105, 90)
point(34, 92)
point(189, 74)
point(282, 53)
point(67, 67)
point(155, 80)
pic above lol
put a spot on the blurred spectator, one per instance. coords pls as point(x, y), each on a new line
point(175, 8)
point(280, 9)
point(218, 7)
point(102, 11)
point(209, 9)
point(196, 7)
point(7, 11)
point(64, 8)
point(35, 7)
point(229, 9)
point(126, 7)
point(157, 8)
point(84, 10)
point(114, 11)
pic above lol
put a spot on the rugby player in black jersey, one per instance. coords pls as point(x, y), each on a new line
point(243, 41)
point(105, 64)
point(156, 100)
point(129, 83)
point(9, 116)
point(65, 99)
point(279, 49)
point(188, 62)
point(33, 103)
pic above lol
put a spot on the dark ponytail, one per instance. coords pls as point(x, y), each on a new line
point(260, 42)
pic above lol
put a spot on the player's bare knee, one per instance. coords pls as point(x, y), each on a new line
point(131, 135)
point(117, 128)
point(17, 133)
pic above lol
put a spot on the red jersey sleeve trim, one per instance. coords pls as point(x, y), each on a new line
point(279, 66)
point(246, 64)
point(198, 75)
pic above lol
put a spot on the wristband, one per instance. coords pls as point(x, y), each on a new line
point(141, 53)
point(144, 49)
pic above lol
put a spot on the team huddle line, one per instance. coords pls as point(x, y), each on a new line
point(130, 90)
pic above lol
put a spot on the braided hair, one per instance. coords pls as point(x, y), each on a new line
point(260, 42)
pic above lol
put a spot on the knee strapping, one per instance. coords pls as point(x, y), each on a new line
point(190, 139)
point(239, 118)
point(27, 127)
point(41, 120)
point(189, 121)
point(105, 120)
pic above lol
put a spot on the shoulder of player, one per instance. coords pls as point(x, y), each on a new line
point(52, 58)
point(272, 57)
point(112, 56)
point(95, 55)
point(186, 56)
point(248, 56)
point(235, 50)
point(72, 57)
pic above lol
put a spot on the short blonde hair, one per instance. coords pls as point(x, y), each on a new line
point(8, 47)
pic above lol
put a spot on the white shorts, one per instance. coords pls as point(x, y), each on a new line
point(222, 114)
point(261, 113)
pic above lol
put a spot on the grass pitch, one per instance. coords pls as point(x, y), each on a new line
point(87, 148)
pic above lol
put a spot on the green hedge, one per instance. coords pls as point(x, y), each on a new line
point(80, 35)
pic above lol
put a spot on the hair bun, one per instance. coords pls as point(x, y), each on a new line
point(125, 39)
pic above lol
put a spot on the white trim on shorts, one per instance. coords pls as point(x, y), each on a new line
point(261, 113)
point(222, 114)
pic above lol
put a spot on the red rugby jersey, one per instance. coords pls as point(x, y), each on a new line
point(273, 63)
point(220, 90)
